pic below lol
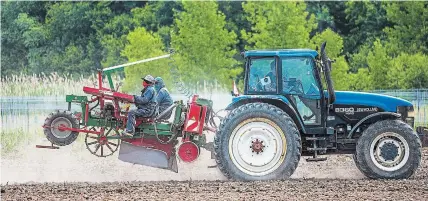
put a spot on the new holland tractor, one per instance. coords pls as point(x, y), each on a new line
point(289, 109)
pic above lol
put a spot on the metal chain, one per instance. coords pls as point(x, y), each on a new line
point(180, 86)
point(176, 78)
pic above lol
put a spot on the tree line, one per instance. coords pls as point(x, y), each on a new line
point(376, 45)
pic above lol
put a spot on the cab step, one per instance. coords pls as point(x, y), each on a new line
point(315, 149)
point(315, 138)
point(315, 159)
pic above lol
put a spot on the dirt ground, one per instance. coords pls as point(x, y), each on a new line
point(415, 188)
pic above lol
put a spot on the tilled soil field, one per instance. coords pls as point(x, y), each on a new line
point(217, 190)
point(415, 188)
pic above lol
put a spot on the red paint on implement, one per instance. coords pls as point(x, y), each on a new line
point(188, 152)
point(64, 128)
point(195, 118)
point(109, 94)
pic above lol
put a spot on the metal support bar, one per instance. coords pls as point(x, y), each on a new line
point(110, 81)
point(74, 129)
point(136, 62)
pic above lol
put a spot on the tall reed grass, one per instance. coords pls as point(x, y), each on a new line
point(54, 84)
point(51, 84)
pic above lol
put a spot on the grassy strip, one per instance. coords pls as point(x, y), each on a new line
point(10, 139)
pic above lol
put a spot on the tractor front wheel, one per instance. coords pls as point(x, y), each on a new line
point(388, 149)
point(257, 141)
point(59, 136)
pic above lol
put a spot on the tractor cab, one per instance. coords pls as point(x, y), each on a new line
point(292, 75)
point(292, 80)
point(289, 101)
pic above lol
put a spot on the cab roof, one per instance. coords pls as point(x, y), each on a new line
point(282, 52)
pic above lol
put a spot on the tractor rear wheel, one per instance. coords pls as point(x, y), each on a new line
point(257, 141)
point(57, 136)
point(388, 149)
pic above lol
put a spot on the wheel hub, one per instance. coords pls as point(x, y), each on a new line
point(57, 126)
point(103, 140)
point(257, 146)
point(389, 151)
point(188, 152)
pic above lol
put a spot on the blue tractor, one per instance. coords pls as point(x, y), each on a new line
point(290, 109)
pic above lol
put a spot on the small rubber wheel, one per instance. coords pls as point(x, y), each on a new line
point(388, 149)
point(257, 141)
point(57, 136)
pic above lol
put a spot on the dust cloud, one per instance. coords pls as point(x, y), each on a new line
point(74, 163)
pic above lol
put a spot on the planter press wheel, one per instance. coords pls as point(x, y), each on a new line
point(99, 145)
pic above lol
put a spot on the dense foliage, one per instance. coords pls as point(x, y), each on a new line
point(376, 45)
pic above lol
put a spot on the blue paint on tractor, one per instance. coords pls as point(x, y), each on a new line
point(283, 52)
point(387, 103)
point(252, 97)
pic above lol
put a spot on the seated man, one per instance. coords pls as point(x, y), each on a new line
point(146, 104)
point(163, 98)
point(272, 76)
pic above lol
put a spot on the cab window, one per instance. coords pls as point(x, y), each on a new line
point(262, 75)
point(298, 77)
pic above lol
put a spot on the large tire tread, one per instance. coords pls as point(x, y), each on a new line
point(65, 141)
point(223, 133)
point(369, 169)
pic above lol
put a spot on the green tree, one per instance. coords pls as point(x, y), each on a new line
point(157, 16)
point(334, 50)
point(21, 29)
point(143, 44)
point(205, 47)
point(366, 21)
point(235, 20)
point(409, 32)
point(378, 63)
point(278, 25)
point(113, 38)
point(408, 71)
point(322, 15)
point(360, 80)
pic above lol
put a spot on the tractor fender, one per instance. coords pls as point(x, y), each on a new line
point(275, 100)
point(392, 115)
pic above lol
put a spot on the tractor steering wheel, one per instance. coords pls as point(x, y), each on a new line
point(294, 87)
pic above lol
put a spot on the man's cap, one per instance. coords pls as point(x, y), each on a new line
point(149, 79)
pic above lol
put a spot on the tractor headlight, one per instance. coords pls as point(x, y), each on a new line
point(407, 114)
